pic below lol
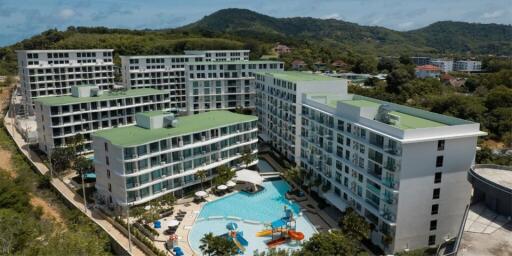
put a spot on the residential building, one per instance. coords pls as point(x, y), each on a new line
point(281, 49)
point(162, 72)
point(426, 71)
point(221, 55)
point(467, 65)
point(446, 65)
point(403, 169)
point(162, 154)
point(89, 109)
point(46, 73)
point(420, 61)
point(339, 64)
point(278, 106)
point(299, 65)
point(224, 84)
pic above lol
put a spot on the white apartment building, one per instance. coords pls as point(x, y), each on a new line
point(403, 169)
point(221, 55)
point(162, 153)
point(162, 72)
point(278, 106)
point(53, 72)
point(446, 65)
point(467, 65)
point(224, 84)
point(89, 109)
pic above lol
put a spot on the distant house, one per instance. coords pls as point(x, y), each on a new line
point(452, 81)
point(428, 71)
point(446, 65)
point(339, 64)
point(298, 65)
point(320, 66)
point(282, 49)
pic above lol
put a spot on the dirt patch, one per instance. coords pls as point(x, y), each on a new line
point(49, 211)
point(492, 144)
point(5, 163)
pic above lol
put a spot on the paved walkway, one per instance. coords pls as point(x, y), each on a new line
point(65, 191)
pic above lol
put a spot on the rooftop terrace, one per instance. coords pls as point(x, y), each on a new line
point(136, 135)
point(235, 62)
point(407, 119)
point(107, 95)
point(297, 76)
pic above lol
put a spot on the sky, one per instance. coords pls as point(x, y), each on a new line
point(20, 19)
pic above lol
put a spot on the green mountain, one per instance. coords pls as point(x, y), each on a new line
point(313, 39)
point(440, 37)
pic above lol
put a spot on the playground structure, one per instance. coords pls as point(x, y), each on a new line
point(235, 236)
point(282, 230)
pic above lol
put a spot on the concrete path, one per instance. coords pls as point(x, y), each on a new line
point(65, 191)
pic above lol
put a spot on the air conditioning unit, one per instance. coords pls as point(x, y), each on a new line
point(136, 184)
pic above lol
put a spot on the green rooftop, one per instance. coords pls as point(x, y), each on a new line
point(107, 95)
point(135, 135)
point(297, 76)
point(235, 62)
point(362, 103)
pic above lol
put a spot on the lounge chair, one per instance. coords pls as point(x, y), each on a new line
point(180, 218)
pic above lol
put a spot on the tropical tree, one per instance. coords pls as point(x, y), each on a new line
point(60, 159)
point(247, 157)
point(293, 173)
point(201, 175)
point(354, 226)
point(217, 246)
point(224, 173)
point(330, 243)
point(82, 165)
point(75, 143)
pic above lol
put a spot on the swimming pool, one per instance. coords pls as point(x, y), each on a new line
point(250, 212)
point(264, 166)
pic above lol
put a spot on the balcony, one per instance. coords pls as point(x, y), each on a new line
point(372, 188)
point(396, 151)
point(390, 183)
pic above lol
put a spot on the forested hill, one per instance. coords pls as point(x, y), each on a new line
point(312, 39)
point(441, 37)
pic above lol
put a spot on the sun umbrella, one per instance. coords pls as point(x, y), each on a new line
point(201, 193)
point(232, 226)
point(147, 207)
point(222, 187)
point(230, 184)
point(172, 223)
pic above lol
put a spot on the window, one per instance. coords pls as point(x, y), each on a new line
point(435, 209)
point(107, 160)
point(439, 161)
point(108, 173)
point(437, 177)
point(440, 145)
point(106, 147)
point(109, 187)
point(433, 225)
point(432, 240)
point(435, 194)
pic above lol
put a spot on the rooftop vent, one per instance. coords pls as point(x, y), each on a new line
point(384, 115)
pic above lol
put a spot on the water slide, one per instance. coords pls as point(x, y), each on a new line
point(240, 241)
point(266, 232)
point(276, 242)
point(295, 235)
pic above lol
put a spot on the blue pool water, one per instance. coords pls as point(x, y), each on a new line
point(264, 206)
point(251, 212)
point(264, 166)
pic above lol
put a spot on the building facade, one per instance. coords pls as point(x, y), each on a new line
point(224, 85)
point(221, 55)
point(162, 153)
point(278, 106)
point(46, 73)
point(467, 65)
point(446, 65)
point(401, 168)
point(89, 109)
point(427, 71)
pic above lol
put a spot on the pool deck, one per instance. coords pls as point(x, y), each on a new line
point(192, 209)
point(319, 218)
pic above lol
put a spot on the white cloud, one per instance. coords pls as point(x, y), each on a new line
point(492, 15)
point(66, 13)
point(336, 16)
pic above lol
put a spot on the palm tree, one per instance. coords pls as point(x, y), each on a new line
point(201, 174)
point(207, 242)
point(81, 165)
point(247, 157)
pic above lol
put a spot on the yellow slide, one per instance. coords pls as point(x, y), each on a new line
point(266, 232)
